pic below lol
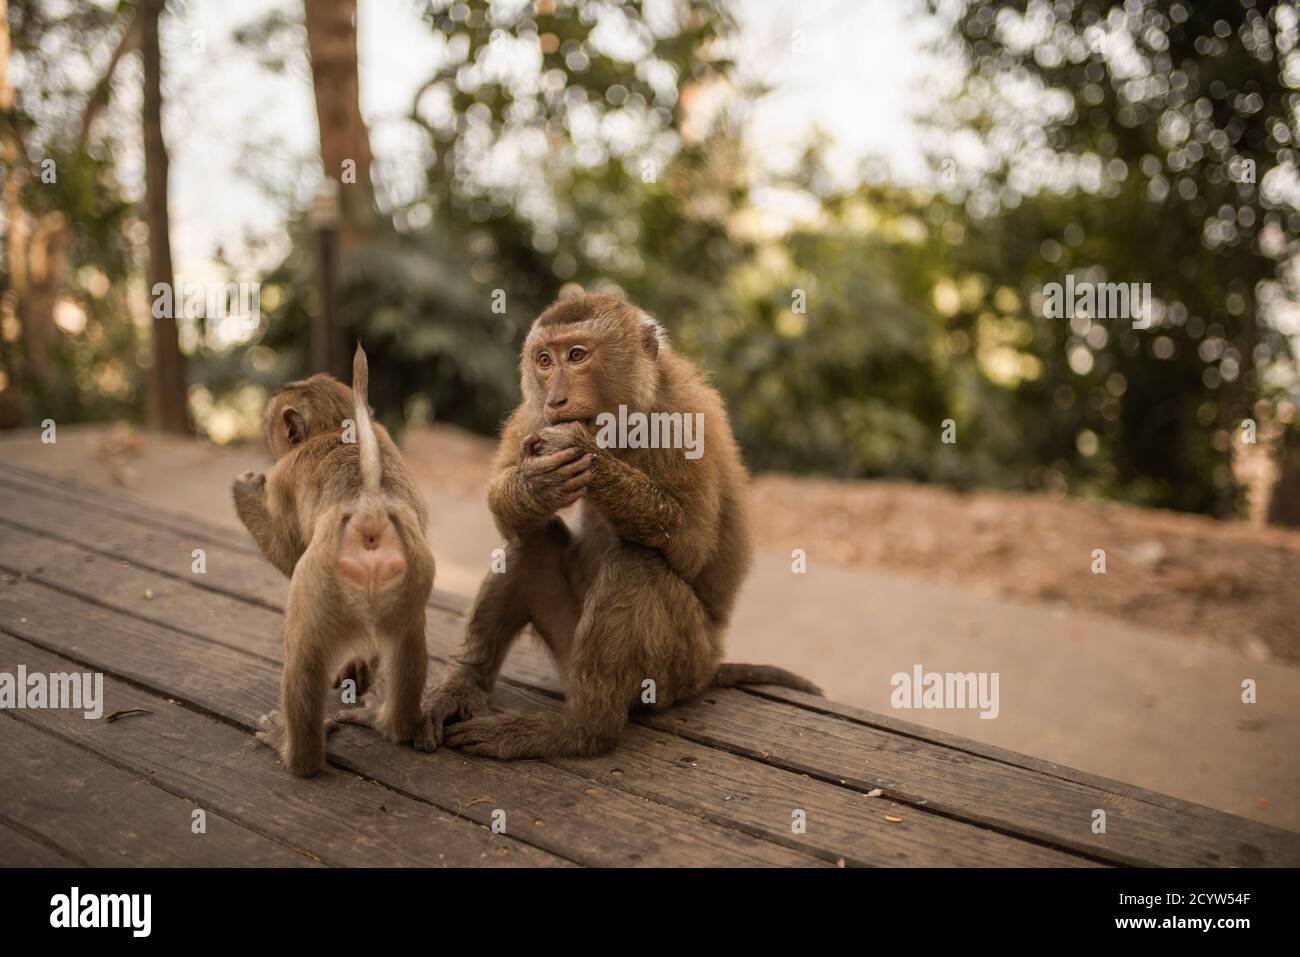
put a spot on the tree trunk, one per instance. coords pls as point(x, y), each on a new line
point(1284, 505)
point(167, 395)
point(344, 140)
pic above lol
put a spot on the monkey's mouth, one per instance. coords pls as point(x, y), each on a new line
point(588, 420)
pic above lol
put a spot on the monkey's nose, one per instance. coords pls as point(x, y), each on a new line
point(557, 403)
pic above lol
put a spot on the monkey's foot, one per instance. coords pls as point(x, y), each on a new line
point(374, 718)
point(517, 734)
point(454, 700)
point(272, 734)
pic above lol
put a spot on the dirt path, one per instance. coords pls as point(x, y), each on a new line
point(1135, 674)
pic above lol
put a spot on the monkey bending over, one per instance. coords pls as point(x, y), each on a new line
point(341, 516)
point(644, 589)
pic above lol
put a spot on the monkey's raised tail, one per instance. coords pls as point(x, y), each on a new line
point(730, 675)
point(370, 550)
point(367, 445)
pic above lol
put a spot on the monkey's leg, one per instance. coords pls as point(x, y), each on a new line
point(302, 701)
point(403, 663)
point(636, 622)
point(314, 626)
point(533, 588)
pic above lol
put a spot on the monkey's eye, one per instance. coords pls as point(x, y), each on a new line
point(578, 354)
point(544, 360)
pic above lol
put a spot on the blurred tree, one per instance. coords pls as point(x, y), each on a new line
point(1135, 142)
point(600, 144)
point(69, 345)
point(554, 157)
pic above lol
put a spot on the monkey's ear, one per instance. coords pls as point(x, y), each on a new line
point(651, 333)
point(294, 426)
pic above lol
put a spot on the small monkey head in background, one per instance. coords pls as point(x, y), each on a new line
point(301, 409)
point(587, 354)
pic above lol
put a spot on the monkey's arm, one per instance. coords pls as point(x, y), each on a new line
point(649, 513)
point(513, 505)
point(281, 549)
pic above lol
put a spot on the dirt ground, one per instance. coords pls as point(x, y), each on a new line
point(1134, 674)
point(1188, 574)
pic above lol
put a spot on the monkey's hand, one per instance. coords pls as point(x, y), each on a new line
point(572, 450)
point(566, 435)
point(545, 481)
point(456, 699)
point(250, 485)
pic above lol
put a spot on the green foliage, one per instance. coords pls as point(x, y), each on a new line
point(567, 142)
point(649, 213)
point(1141, 174)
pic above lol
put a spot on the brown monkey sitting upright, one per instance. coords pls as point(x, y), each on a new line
point(341, 516)
point(643, 591)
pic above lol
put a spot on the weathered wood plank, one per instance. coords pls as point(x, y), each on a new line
point(1000, 795)
point(141, 591)
point(738, 792)
point(105, 816)
point(546, 806)
point(839, 824)
point(19, 850)
point(113, 500)
point(337, 817)
point(908, 729)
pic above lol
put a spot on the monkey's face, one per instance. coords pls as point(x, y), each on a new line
point(568, 368)
point(589, 355)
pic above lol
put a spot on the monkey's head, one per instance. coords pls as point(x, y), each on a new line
point(299, 410)
point(588, 354)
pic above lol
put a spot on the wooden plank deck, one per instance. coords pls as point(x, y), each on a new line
point(94, 581)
